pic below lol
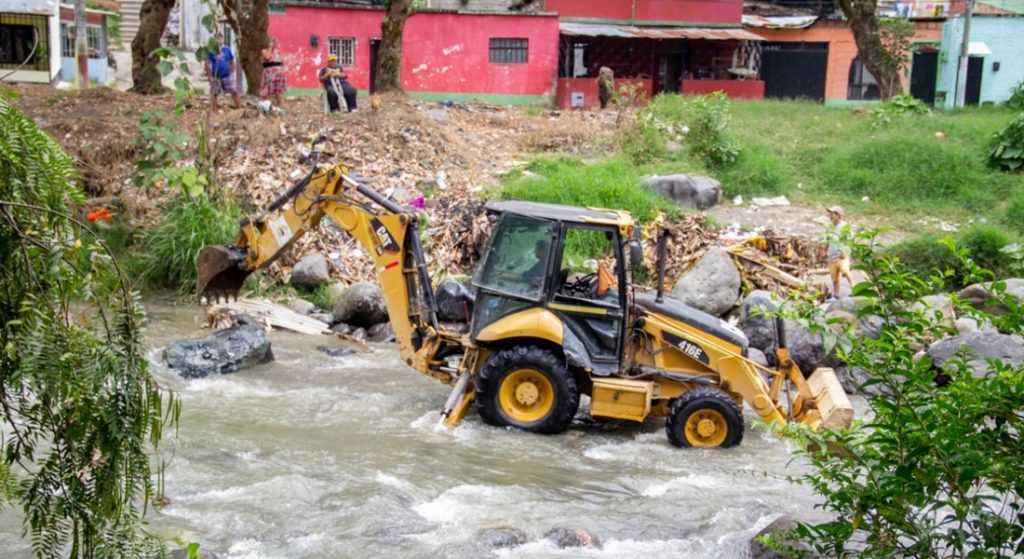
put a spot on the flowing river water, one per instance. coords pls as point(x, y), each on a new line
point(313, 456)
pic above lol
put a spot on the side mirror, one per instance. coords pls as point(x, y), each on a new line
point(636, 254)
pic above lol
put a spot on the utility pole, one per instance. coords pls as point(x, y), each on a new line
point(81, 46)
point(961, 71)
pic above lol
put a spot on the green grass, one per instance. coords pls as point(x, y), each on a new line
point(321, 296)
point(609, 183)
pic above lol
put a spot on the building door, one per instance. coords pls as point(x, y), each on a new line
point(374, 58)
point(975, 64)
point(922, 76)
point(794, 70)
point(670, 72)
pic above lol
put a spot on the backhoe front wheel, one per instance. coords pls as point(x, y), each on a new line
point(529, 388)
point(705, 417)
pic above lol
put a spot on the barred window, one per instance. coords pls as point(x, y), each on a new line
point(344, 48)
point(18, 35)
point(509, 51)
point(67, 40)
point(92, 35)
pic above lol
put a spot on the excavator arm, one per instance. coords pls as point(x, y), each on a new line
point(387, 233)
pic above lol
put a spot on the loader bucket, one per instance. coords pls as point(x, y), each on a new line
point(832, 408)
point(221, 271)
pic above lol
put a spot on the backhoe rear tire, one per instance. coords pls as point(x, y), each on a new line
point(527, 387)
point(704, 417)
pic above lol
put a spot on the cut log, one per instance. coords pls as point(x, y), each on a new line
point(277, 316)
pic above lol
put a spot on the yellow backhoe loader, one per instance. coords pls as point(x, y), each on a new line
point(555, 317)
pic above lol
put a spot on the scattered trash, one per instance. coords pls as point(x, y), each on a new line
point(738, 200)
point(765, 202)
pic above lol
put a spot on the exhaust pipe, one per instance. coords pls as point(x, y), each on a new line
point(662, 249)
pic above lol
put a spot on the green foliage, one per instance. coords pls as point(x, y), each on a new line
point(187, 225)
point(698, 122)
point(81, 414)
point(926, 256)
point(163, 162)
point(1013, 215)
point(1016, 100)
point(984, 245)
point(644, 144)
point(935, 473)
point(896, 106)
point(757, 171)
point(630, 95)
point(895, 35)
point(610, 183)
point(1007, 147)
point(322, 296)
point(1014, 253)
point(931, 257)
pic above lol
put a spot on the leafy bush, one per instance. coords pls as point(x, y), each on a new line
point(935, 472)
point(984, 245)
point(895, 106)
point(187, 225)
point(708, 119)
point(1013, 215)
point(322, 296)
point(609, 183)
point(757, 171)
point(643, 144)
point(925, 257)
point(1016, 100)
point(1007, 148)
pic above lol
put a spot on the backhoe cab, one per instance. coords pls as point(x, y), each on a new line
point(556, 317)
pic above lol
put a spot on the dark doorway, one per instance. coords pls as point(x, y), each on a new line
point(794, 70)
point(975, 64)
point(670, 72)
point(922, 76)
point(374, 57)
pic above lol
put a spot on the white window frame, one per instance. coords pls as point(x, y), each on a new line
point(344, 48)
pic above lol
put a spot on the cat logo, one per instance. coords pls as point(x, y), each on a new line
point(385, 242)
point(687, 347)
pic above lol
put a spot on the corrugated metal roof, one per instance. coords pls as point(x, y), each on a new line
point(634, 32)
point(779, 22)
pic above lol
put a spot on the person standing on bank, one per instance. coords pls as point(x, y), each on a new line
point(336, 85)
point(220, 69)
point(273, 85)
point(836, 234)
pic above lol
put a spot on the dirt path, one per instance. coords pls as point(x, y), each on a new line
point(795, 219)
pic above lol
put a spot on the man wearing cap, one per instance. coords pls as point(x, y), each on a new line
point(337, 87)
point(838, 251)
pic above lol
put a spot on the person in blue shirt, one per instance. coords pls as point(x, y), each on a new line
point(220, 69)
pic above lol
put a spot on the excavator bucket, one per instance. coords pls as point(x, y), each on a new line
point(221, 271)
point(832, 408)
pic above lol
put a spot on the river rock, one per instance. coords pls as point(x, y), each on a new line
point(382, 332)
point(931, 305)
point(311, 270)
point(454, 300)
point(806, 349)
point(321, 315)
point(335, 351)
point(776, 530)
point(341, 328)
point(501, 537)
point(712, 286)
point(978, 295)
point(755, 321)
point(358, 334)
point(568, 536)
point(757, 356)
point(226, 351)
point(299, 305)
point(979, 346)
point(852, 305)
point(361, 304)
point(689, 191)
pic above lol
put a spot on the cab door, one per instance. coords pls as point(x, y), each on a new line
point(588, 291)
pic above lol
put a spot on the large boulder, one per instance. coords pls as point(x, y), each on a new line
point(932, 306)
point(978, 347)
point(978, 295)
point(454, 300)
point(311, 270)
point(777, 532)
point(501, 537)
point(806, 349)
point(713, 285)
point(299, 305)
point(571, 536)
point(755, 320)
point(226, 351)
point(690, 191)
point(361, 304)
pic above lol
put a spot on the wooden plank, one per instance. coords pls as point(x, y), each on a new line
point(277, 316)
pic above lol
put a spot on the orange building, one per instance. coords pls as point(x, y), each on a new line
point(810, 57)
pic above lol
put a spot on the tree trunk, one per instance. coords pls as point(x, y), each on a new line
point(251, 29)
point(389, 60)
point(864, 24)
point(152, 22)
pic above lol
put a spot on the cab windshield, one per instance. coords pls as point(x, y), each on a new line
point(516, 262)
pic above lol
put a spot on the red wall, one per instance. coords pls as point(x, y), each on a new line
point(588, 87)
point(692, 11)
point(442, 52)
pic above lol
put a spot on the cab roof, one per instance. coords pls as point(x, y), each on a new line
point(571, 214)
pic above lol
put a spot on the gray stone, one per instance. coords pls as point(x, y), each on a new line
point(382, 332)
point(853, 378)
point(311, 270)
point(931, 305)
point(454, 301)
point(569, 536)
point(979, 346)
point(712, 286)
point(501, 537)
point(978, 295)
point(776, 530)
point(226, 351)
point(358, 334)
point(362, 304)
point(335, 351)
point(299, 305)
point(852, 305)
point(757, 356)
point(690, 191)
point(341, 328)
point(336, 289)
point(806, 349)
point(322, 316)
point(439, 115)
point(755, 321)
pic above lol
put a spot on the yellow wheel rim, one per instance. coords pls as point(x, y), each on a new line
point(526, 395)
point(706, 428)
